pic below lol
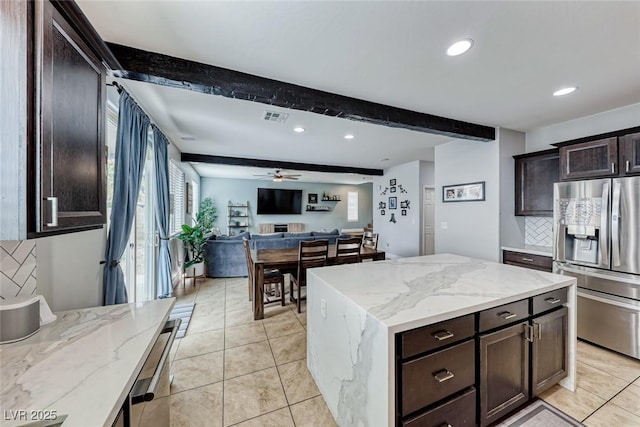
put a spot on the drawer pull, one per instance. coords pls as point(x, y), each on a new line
point(552, 300)
point(444, 375)
point(527, 259)
point(507, 315)
point(442, 335)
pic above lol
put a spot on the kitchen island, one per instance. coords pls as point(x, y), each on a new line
point(356, 314)
point(83, 365)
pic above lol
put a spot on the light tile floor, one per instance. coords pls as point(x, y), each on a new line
point(230, 370)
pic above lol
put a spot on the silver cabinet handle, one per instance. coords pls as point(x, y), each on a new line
point(613, 167)
point(144, 390)
point(528, 259)
point(528, 333)
point(54, 211)
point(552, 300)
point(537, 331)
point(443, 375)
point(627, 166)
point(506, 315)
point(442, 335)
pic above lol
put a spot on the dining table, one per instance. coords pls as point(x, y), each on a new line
point(286, 260)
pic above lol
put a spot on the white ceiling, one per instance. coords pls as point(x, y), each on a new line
point(389, 52)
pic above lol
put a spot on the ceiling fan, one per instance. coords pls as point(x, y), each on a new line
point(278, 176)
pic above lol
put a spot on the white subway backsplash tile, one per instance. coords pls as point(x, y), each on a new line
point(17, 268)
point(538, 231)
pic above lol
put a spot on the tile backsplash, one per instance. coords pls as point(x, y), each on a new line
point(538, 231)
point(17, 268)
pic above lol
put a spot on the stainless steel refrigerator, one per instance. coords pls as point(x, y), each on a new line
point(597, 241)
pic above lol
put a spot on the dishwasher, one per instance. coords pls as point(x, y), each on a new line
point(148, 402)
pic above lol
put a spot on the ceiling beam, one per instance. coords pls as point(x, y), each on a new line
point(277, 164)
point(170, 71)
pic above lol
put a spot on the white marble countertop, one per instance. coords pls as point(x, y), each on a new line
point(530, 249)
point(406, 293)
point(82, 365)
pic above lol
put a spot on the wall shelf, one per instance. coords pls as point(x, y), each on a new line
point(237, 218)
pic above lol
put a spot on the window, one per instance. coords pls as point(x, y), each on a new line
point(352, 206)
point(176, 198)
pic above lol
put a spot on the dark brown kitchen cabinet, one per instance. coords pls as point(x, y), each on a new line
point(550, 355)
point(629, 154)
point(70, 113)
point(53, 163)
point(535, 262)
point(504, 372)
point(591, 159)
point(535, 175)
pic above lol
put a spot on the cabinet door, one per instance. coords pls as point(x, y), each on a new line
point(550, 350)
point(70, 189)
point(589, 159)
point(535, 176)
point(504, 372)
point(630, 154)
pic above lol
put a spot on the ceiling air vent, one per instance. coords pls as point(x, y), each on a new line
point(274, 116)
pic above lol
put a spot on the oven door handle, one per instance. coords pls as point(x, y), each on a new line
point(144, 390)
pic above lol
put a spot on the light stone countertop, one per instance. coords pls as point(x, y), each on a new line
point(82, 365)
point(530, 249)
point(355, 311)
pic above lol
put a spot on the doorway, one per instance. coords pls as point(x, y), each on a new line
point(428, 220)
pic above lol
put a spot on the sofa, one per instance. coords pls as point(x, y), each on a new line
point(225, 254)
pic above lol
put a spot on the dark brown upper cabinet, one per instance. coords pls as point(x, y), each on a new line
point(591, 159)
point(629, 146)
point(70, 111)
point(535, 175)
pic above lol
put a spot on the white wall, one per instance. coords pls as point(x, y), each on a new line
point(473, 228)
point(401, 238)
point(607, 121)
point(221, 191)
point(69, 274)
point(512, 228)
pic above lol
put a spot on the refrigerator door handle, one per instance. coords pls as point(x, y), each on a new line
point(604, 226)
point(615, 224)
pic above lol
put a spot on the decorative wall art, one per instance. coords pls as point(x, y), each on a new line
point(392, 182)
point(470, 192)
point(404, 212)
point(393, 202)
point(382, 205)
point(392, 189)
point(393, 218)
point(381, 211)
point(313, 198)
point(402, 190)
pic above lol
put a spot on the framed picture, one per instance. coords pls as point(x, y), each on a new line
point(393, 202)
point(470, 192)
point(313, 198)
point(381, 211)
point(404, 212)
point(382, 205)
point(404, 205)
point(392, 182)
point(392, 189)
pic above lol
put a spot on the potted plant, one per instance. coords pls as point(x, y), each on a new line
point(195, 237)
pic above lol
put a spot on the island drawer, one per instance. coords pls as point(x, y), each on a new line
point(459, 411)
point(503, 315)
point(434, 377)
point(434, 336)
point(549, 300)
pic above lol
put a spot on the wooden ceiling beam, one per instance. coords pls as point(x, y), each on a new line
point(151, 67)
point(277, 164)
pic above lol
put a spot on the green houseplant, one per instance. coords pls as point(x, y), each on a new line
point(195, 237)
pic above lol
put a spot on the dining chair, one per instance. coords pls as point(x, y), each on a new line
point(348, 250)
point(370, 240)
point(272, 276)
point(310, 254)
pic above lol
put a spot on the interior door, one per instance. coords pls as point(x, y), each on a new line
point(428, 209)
point(625, 225)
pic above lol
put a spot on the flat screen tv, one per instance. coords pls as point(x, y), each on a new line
point(279, 201)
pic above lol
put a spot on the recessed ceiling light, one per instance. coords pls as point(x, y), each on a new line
point(460, 47)
point(565, 90)
point(349, 136)
point(298, 129)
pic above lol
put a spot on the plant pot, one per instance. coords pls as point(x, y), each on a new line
point(196, 270)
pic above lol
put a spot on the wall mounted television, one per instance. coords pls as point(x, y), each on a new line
point(276, 201)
